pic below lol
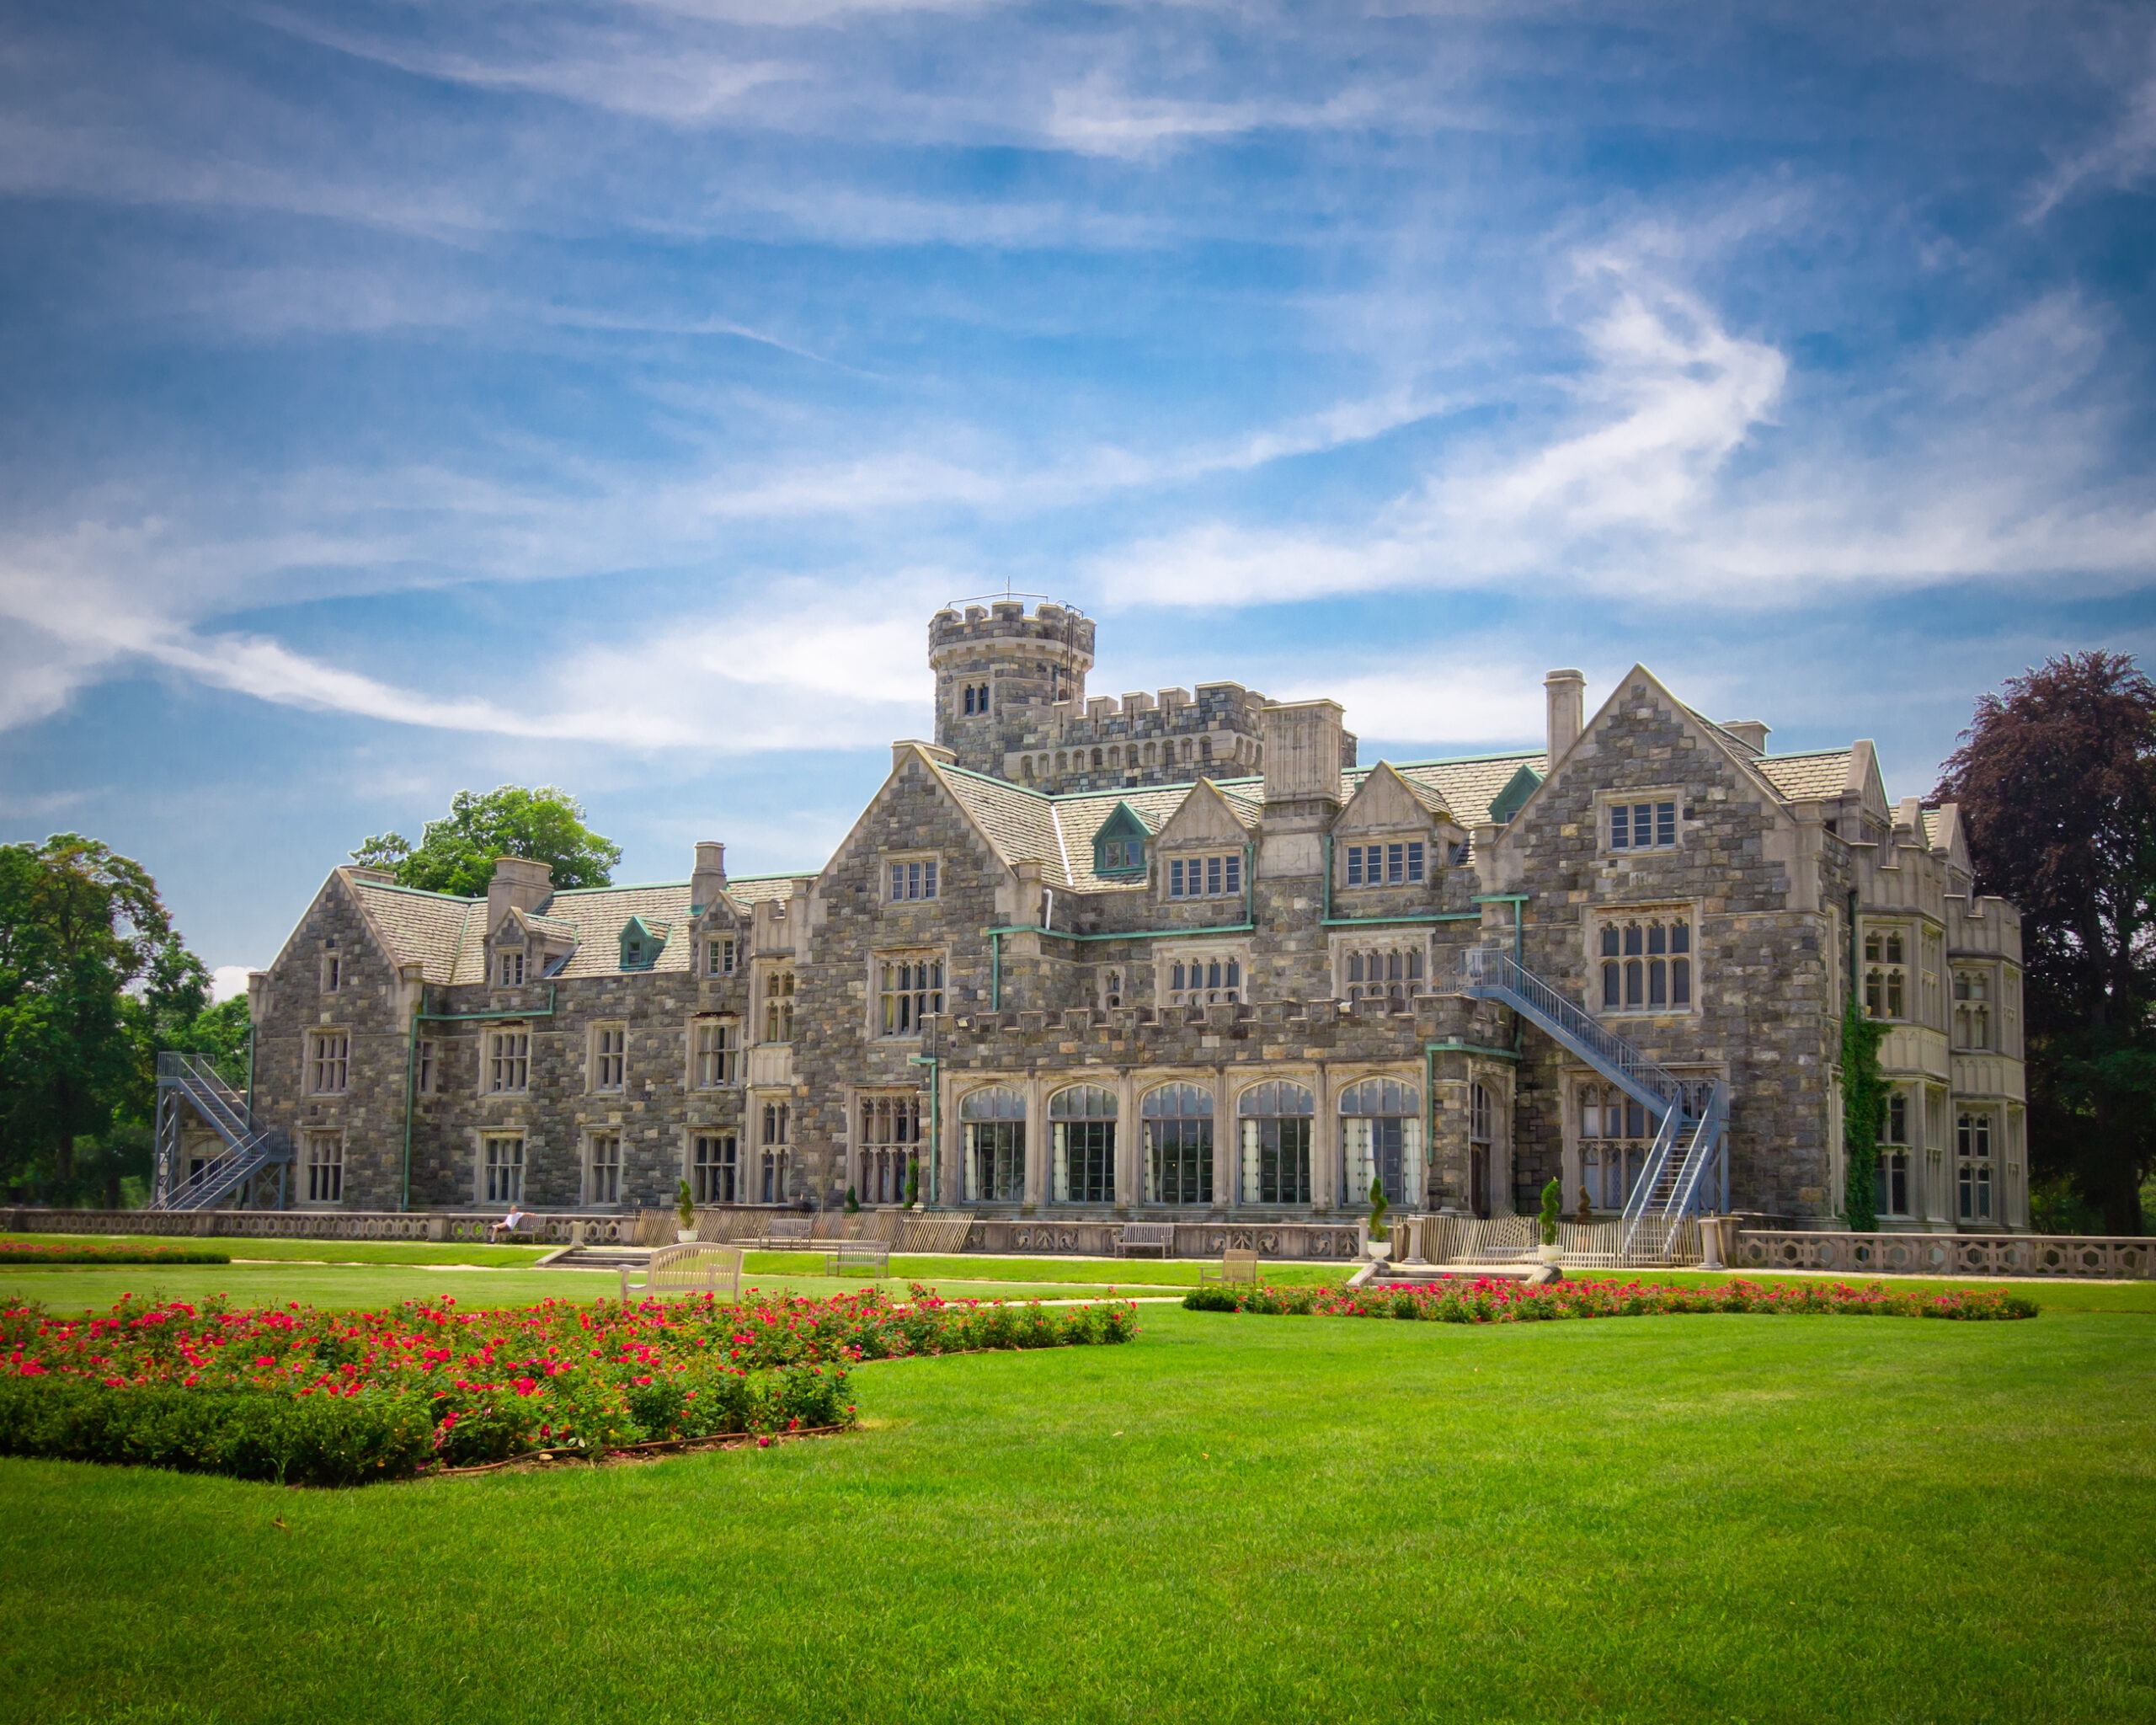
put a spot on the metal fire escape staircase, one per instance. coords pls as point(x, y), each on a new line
point(249, 1149)
point(1691, 1116)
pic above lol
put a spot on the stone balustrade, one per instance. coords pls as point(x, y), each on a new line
point(1947, 1254)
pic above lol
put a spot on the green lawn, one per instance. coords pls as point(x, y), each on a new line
point(1701, 1518)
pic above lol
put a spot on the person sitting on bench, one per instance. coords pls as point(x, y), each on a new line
point(509, 1224)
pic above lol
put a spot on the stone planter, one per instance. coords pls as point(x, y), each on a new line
point(1549, 1254)
point(1378, 1250)
point(685, 1236)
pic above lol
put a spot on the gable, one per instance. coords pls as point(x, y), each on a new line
point(1639, 689)
point(1385, 800)
point(1509, 801)
point(1206, 817)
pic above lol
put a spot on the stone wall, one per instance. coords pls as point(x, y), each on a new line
point(1761, 1014)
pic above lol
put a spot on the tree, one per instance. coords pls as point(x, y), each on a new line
point(457, 853)
point(88, 962)
point(2056, 781)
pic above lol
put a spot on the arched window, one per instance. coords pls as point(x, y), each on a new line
point(1152, 754)
point(1178, 1123)
point(1616, 1134)
point(1381, 1139)
point(1112, 988)
point(1081, 1121)
point(1186, 748)
point(1646, 964)
point(1115, 756)
point(1276, 1142)
point(1026, 768)
point(1098, 759)
point(1205, 748)
point(1062, 761)
point(994, 1121)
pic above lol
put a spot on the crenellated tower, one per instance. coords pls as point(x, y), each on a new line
point(1011, 701)
point(1000, 675)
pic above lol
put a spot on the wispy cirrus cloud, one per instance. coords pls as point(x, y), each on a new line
point(1682, 467)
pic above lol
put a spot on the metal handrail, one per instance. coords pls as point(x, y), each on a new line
point(205, 1086)
point(1491, 967)
point(1707, 1141)
point(1640, 1198)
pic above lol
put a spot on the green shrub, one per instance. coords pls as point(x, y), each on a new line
point(26, 1254)
point(317, 1440)
point(1553, 1202)
point(1378, 1208)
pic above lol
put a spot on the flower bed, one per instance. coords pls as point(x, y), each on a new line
point(20, 1253)
point(316, 1397)
point(1491, 1300)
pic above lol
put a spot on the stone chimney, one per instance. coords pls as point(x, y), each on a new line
point(1302, 751)
point(1566, 691)
point(1750, 732)
point(519, 884)
point(708, 880)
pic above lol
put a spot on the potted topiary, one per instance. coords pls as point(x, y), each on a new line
point(1553, 1199)
point(685, 1207)
point(852, 1203)
point(913, 1186)
point(1380, 1232)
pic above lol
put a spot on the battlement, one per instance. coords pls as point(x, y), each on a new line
point(1254, 1031)
point(1006, 621)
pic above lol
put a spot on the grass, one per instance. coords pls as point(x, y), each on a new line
point(1727, 1519)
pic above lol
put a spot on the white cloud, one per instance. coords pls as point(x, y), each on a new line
point(227, 980)
point(2126, 156)
point(1685, 466)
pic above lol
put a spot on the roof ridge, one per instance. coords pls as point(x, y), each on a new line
point(419, 892)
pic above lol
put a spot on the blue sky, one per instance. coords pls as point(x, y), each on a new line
point(404, 398)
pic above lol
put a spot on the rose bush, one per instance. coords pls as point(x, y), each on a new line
point(1496, 1299)
point(334, 1397)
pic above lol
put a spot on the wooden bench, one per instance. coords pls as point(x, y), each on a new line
point(1235, 1266)
point(526, 1227)
point(786, 1233)
point(1158, 1238)
point(858, 1257)
point(697, 1267)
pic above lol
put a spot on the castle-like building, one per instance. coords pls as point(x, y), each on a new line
point(1181, 956)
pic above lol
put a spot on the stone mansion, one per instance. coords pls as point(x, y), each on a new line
point(1181, 955)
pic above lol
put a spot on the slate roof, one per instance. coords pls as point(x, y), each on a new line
point(1468, 786)
point(1026, 825)
point(447, 934)
point(444, 933)
point(1824, 772)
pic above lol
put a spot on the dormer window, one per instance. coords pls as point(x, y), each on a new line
point(1220, 877)
point(1119, 845)
point(1396, 864)
point(508, 970)
point(721, 953)
point(642, 942)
